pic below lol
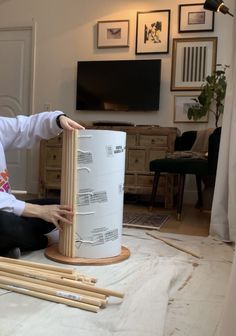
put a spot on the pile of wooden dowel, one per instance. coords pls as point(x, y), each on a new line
point(53, 283)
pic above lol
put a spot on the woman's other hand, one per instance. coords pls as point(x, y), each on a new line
point(69, 124)
point(54, 213)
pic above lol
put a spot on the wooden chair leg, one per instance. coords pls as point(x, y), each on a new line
point(154, 189)
point(199, 192)
point(180, 196)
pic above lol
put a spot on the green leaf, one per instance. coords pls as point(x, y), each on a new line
point(212, 95)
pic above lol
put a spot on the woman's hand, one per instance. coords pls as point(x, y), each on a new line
point(69, 124)
point(54, 213)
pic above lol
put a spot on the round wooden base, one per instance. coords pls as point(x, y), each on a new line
point(52, 253)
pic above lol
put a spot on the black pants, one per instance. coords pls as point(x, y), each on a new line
point(27, 233)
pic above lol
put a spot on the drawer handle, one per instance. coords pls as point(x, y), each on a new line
point(136, 161)
point(54, 156)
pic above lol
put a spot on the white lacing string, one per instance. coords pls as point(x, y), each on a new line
point(84, 136)
point(84, 241)
point(85, 213)
point(84, 168)
point(82, 151)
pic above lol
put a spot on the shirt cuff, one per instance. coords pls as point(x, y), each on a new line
point(58, 120)
point(19, 207)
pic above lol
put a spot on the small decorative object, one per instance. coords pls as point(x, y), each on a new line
point(194, 18)
point(112, 34)
point(211, 97)
point(152, 32)
point(193, 60)
point(182, 104)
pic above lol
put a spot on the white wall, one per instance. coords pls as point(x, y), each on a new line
point(66, 33)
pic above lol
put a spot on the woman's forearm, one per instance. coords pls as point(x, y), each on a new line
point(50, 213)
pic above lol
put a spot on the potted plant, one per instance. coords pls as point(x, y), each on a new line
point(211, 98)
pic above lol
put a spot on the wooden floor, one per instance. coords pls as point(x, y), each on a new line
point(193, 222)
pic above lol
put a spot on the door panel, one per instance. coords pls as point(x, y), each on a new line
point(15, 78)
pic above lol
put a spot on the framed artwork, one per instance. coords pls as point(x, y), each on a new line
point(193, 59)
point(181, 105)
point(194, 18)
point(111, 34)
point(153, 32)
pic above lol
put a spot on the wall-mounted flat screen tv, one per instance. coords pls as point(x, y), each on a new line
point(127, 85)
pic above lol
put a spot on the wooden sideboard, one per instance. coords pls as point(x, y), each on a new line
point(144, 143)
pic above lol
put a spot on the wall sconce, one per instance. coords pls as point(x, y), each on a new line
point(217, 6)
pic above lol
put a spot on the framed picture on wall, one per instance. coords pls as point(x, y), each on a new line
point(193, 59)
point(111, 34)
point(153, 32)
point(181, 105)
point(194, 18)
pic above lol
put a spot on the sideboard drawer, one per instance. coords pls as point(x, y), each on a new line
point(53, 176)
point(55, 141)
point(53, 157)
point(153, 140)
point(131, 140)
point(135, 160)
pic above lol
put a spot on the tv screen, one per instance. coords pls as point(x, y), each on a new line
point(130, 85)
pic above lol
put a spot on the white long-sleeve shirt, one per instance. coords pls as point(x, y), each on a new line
point(22, 132)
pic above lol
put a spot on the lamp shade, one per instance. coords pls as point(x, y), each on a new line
point(216, 6)
point(212, 5)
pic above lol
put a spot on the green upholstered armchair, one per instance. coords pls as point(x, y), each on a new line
point(202, 165)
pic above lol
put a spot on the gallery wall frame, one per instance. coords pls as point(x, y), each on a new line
point(153, 32)
point(113, 34)
point(182, 103)
point(194, 18)
point(193, 59)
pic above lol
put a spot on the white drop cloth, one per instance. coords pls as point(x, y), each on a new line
point(167, 292)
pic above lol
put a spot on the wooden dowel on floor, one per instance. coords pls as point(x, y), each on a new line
point(49, 290)
point(6, 280)
point(52, 298)
point(170, 243)
point(46, 272)
point(66, 282)
point(67, 273)
point(38, 265)
point(58, 286)
point(100, 290)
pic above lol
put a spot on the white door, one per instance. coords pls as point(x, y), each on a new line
point(15, 79)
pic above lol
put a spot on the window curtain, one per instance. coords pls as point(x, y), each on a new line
point(223, 215)
point(223, 218)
